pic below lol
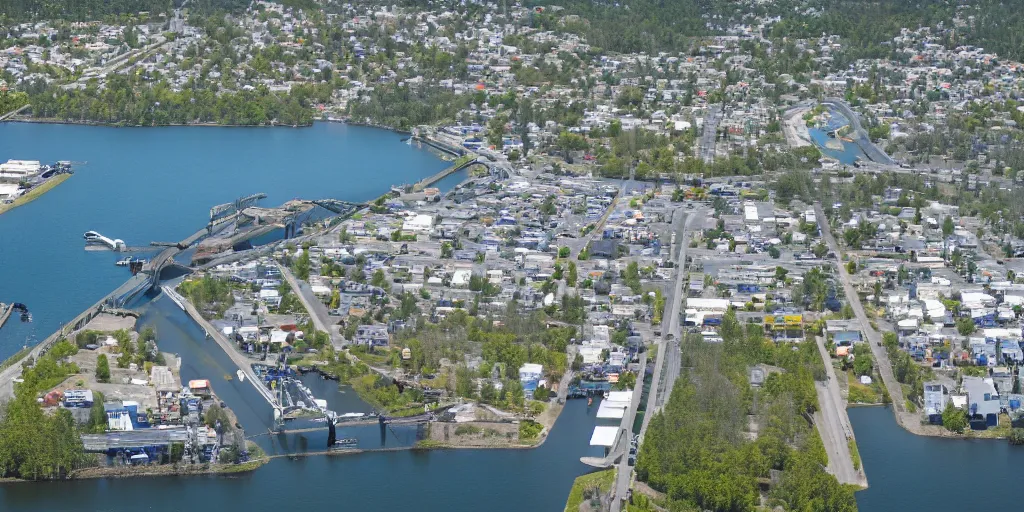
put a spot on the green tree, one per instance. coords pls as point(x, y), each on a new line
point(965, 326)
point(516, 394)
point(102, 368)
point(302, 265)
point(954, 419)
point(862, 359)
point(465, 385)
point(947, 226)
point(379, 280)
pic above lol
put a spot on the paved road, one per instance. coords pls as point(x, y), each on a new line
point(117, 62)
point(906, 419)
point(576, 245)
point(668, 352)
point(317, 310)
point(834, 425)
point(706, 146)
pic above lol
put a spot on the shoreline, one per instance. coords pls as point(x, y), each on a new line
point(166, 470)
point(96, 472)
point(35, 193)
point(50, 120)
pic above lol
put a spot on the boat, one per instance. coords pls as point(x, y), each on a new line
point(348, 441)
point(241, 375)
point(127, 261)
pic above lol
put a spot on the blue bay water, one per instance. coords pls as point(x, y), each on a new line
point(908, 472)
point(158, 184)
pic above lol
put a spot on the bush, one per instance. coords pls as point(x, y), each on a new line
point(529, 430)
point(954, 419)
point(466, 430)
point(1016, 436)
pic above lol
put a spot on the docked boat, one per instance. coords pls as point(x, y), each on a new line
point(128, 261)
point(348, 442)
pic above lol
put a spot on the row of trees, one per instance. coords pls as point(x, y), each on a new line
point(11, 101)
point(130, 101)
point(210, 295)
point(87, 10)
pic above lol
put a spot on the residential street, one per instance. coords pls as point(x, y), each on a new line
point(906, 419)
point(667, 360)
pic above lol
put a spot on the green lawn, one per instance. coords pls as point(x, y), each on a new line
point(34, 193)
point(602, 479)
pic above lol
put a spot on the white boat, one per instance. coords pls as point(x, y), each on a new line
point(241, 376)
point(127, 260)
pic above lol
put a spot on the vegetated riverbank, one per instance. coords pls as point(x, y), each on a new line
point(51, 120)
point(591, 486)
point(257, 460)
point(35, 192)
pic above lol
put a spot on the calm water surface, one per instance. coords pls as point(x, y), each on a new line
point(158, 184)
point(908, 472)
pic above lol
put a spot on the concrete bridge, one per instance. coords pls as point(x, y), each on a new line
point(149, 277)
point(430, 180)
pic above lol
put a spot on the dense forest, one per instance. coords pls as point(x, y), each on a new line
point(12, 100)
point(998, 27)
point(84, 10)
point(135, 103)
point(642, 26)
point(698, 450)
point(671, 25)
point(404, 107)
point(35, 445)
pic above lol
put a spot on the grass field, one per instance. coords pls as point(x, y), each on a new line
point(601, 479)
point(33, 194)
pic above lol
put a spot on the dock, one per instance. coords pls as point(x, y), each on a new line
point(6, 314)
